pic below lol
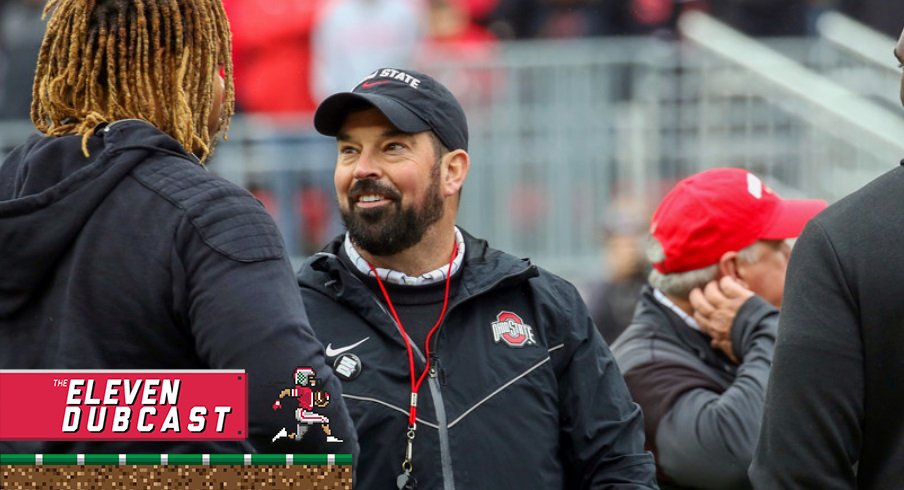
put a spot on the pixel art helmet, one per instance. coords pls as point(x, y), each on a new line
point(304, 376)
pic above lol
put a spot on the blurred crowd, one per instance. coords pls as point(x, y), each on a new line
point(289, 53)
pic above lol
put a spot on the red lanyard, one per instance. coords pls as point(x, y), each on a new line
point(416, 385)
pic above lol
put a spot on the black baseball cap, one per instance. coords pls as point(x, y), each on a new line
point(412, 101)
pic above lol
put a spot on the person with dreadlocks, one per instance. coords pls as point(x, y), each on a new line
point(118, 250)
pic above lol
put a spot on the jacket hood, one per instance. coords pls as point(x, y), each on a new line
point(49, 190)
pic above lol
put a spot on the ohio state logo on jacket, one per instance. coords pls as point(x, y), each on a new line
point(510, 328)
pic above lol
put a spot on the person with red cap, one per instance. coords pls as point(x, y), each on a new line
point(833, 416)
point(697, 354)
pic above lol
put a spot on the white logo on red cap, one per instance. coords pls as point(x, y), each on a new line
point(754, 186)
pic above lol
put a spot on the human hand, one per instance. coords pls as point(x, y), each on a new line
point(715, 308)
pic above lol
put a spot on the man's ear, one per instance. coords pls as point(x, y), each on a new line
point(455, 170)
point(729, 265)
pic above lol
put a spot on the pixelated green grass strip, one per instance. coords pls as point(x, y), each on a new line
point(176, 459)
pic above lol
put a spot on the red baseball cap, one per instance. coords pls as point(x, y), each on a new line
point(723, 210)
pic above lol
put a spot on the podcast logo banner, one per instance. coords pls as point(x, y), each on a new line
point(123, 405)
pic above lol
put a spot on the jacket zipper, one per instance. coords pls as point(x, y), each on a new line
point(439, 406)
point(433, 380)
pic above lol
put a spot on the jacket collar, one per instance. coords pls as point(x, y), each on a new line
point(652, 313)
point(484, 269)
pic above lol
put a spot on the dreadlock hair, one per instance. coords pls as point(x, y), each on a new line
point(156, 60)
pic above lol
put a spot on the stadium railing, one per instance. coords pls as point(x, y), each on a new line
point(561, 128)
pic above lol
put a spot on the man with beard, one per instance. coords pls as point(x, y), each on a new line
point(462, 366)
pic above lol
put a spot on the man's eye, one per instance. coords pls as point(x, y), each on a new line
point(347, 150)
point(395, 147)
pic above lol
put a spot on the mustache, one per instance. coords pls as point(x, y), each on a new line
point(370, 186)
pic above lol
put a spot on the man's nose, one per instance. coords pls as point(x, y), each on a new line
point(367, 167)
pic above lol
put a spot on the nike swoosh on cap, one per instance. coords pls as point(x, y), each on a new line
point(330, 352)
point(372, 84)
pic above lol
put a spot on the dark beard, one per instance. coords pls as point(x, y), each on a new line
point(390, 229)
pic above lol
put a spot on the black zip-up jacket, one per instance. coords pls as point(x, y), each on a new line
point(138, 258)
point(834, 414)
point(554, 414)
point(701, 412)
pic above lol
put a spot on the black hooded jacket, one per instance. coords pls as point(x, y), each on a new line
point(550, 412)
point(137, 258)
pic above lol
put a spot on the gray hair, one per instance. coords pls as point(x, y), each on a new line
point(680, 284)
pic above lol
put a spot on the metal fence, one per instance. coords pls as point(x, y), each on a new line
point(558, 129)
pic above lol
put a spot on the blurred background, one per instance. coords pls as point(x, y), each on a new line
point(582, 113)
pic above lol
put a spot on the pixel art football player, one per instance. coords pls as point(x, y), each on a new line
point(308, 398)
